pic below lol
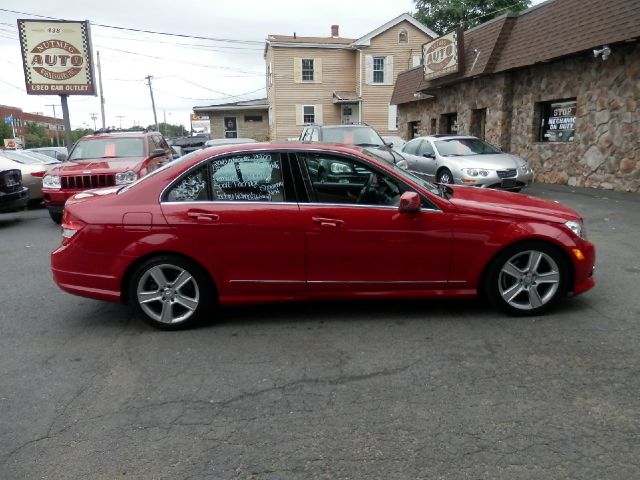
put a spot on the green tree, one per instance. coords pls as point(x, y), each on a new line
point(5, 131)
point(36, 136)
point(79, 133)
point(442, 16)
point(169, 130)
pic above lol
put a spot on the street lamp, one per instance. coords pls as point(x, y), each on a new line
point(94, 117)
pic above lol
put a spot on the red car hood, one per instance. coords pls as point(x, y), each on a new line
point(103, 165)
point(481, 201)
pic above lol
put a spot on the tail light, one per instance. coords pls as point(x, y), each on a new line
point(70, 228)
point(38, 174)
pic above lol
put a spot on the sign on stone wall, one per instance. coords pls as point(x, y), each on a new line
point(443, 56)
point(56, 56)
point(558, 121)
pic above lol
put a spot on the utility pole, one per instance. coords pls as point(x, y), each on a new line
point(120, 117)
point(104, 124)
point(67, 122)
point(153, 103)
point(94, 117)
point(55, 123)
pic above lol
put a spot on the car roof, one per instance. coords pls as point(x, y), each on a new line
point(134, 134)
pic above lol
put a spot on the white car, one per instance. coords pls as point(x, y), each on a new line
point(33, 166)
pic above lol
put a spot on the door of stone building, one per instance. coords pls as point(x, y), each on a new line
point(478, 122)
point(230, 127)
point(414, 129)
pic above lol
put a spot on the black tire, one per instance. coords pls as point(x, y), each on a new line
point(536, 284)
point(445, 176)
point(56, 217)
point(167, 306)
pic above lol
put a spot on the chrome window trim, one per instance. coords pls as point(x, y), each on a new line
point(315, 205)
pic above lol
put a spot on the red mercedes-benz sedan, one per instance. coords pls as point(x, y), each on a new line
point(277, 222)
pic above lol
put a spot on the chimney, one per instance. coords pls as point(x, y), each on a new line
point(335, 31)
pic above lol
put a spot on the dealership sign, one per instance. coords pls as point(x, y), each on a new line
point(200, 124)
point(443, 56)
point(57, 57)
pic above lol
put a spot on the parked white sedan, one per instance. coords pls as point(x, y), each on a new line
point(466, 160)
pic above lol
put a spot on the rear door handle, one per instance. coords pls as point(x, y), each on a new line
point(328, 222)
point(206, 216)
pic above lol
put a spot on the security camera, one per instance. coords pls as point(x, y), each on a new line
point(605, 51)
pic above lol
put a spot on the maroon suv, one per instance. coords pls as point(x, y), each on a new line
point(103, 160)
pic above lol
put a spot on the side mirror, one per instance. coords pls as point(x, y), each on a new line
point(409, 203)
point(389, 144)
point(158, 152)
point(62, 157)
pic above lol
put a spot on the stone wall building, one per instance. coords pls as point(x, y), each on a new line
point(531, 83)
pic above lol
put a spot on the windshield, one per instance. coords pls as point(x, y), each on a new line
point(456, 147)
point(361, 136)
point(27, 158)
point(108, 148)
point(405, 174)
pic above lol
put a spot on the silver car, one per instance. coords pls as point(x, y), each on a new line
point(466, 161)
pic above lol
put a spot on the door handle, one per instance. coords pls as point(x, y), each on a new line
point(328, 222)
point(209, 217)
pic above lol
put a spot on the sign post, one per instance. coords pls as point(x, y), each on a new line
point(57, 60)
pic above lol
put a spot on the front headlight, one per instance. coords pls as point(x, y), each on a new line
point(475, 172)
point(577, 228)
point(51, 181)
point(526, 169)
point(124, 178)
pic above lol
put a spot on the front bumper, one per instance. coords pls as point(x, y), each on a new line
point(516, 182)
point(12, 202)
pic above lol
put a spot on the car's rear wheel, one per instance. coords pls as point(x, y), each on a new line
point(171, 292)
point(527, 279)
point(56, 217)
point(445, 176)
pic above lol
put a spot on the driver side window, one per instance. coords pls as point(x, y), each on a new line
point(340, 180)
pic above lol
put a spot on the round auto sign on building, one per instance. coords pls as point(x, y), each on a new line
point(57, 60)
point(443, 56)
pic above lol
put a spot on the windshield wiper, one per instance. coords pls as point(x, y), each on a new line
point(368, 145)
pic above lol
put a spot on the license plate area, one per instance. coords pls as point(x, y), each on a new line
point(10, 181)
point(508, 183)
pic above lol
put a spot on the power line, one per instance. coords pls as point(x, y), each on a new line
point(138, 30)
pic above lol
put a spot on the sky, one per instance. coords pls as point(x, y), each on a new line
point(186, 72)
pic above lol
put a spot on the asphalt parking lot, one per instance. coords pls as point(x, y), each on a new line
point(406, 390)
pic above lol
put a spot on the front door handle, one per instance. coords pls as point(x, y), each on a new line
point(206, 216)
point(328, 222)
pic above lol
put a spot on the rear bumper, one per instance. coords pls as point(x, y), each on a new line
point(11, 202)
point(76, 277)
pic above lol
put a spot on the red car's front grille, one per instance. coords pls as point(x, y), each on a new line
point(83, 182)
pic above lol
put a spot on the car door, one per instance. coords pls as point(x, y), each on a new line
point(410, 153)
point(357, 240)
point(241, 213)
point(426, 164)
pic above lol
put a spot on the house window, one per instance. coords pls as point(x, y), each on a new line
point(403, 36)
point(557, 120)
point(309, 114)
point(252, 118)
point(378, 69)
point(307, 69)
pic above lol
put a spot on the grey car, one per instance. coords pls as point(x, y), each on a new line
point(360, 134)
point(466, 160)
point(32, 165)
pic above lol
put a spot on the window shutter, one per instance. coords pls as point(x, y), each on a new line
point(299, 118)
point(417, 60)
point(318, 113)
point(317, 70)
point(297, 70)
point(393, 115)
point(388, 70)
point(368, 69)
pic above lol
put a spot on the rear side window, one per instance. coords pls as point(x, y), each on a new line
point(192, 188)
point(412, 147)
point(255, 177)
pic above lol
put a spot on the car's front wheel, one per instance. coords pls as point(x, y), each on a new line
point(527, 279)
point(445, 176)
point(56, 216)
point(171, 292)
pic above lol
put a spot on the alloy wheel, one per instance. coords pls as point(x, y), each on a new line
point(529, 280)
